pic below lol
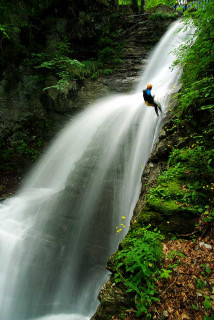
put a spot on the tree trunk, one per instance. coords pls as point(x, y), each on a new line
point(142, 5)
point(134, 6)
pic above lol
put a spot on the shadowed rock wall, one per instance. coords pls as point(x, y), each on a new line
point(30, 117)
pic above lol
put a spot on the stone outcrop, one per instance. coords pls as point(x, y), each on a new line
point(114, 300)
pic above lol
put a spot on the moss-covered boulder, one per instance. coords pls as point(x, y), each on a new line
point(168, 211)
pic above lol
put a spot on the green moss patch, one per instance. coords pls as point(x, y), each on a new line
point(166, 207)
point(174, 188)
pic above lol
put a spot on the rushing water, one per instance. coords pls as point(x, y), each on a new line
point(58, 231)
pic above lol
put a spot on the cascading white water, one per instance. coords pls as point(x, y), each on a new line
point(58, 231)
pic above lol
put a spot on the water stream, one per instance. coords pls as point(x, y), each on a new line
point(58, 231)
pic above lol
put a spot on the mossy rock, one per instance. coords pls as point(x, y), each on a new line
point(114, 301)
point(166, 207)
point(169, 207)
point(112, 262)
point(174, 223)
point(168, 216)
point(174, 189)
point(150, 217)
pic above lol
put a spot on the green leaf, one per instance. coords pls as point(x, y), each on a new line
point(207, 304)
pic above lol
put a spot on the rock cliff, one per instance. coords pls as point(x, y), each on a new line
point(30, 117)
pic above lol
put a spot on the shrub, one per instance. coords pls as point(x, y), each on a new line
point(160, 15)
point(137, 263)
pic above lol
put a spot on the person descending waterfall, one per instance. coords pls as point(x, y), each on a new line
point(149, 99)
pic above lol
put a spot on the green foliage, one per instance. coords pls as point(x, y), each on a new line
point(208, 302)
point(165, 274)
point(109, 49)
point(124, 2)
point(169, 207)
point(154, 3)
point(172, 172)
point(173, 254)
point(209, 318)
point(149, 3)
point(3, 31)
point(57, 60)
point(206, 268)
point(208, 216)
point(25, 141)
point(196, 58)
point(24, 147)
point(106, 55)
point(189, 158)
point(23, 25)
point(90, 68)
point(160, 15)
point(166, 191)
point(128, 2)
point(199, 93)
point(137, 263)
point(107, 71)
point(200, 284)
point(185, 186)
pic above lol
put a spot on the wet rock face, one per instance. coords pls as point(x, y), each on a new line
point(23, 99)
point(140, 38)
point(2, 189)
point(114, 301)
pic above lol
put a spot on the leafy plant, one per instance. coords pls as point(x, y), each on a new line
point(200, 284)
point(137, 263)
point(196, 58)
point(208, 302)
point(206, 268)
point(160, 15)
point(57, 60)
point(165, 273)
point(3, 31)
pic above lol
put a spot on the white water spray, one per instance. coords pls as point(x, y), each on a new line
point(57, 233)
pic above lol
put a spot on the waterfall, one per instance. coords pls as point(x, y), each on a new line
point(58, 231)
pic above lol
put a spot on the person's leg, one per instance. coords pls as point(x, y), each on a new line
point(157, 105)
point(156, 109)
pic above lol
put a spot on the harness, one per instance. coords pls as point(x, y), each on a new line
point(148, 104)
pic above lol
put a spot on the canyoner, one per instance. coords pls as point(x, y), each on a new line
point(149, 99)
